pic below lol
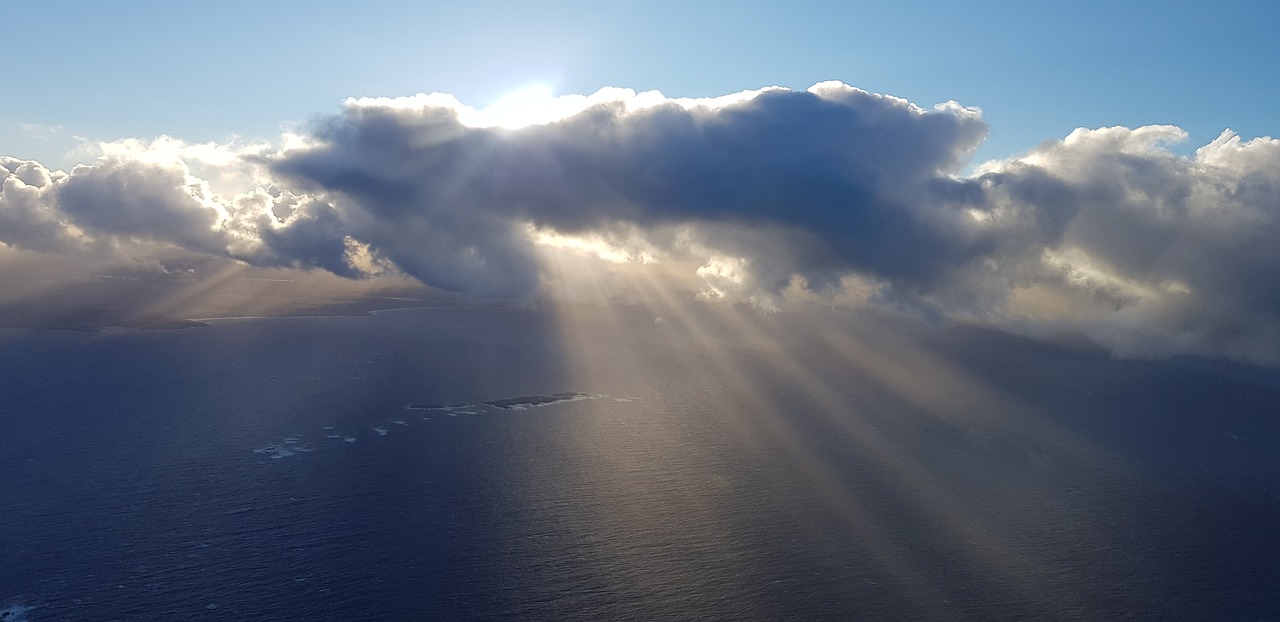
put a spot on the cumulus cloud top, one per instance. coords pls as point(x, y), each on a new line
point(832, 193)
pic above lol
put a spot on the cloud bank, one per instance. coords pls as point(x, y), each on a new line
point(832, 193)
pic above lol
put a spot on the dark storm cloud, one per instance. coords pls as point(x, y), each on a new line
point(315, 237)
point(827, 165)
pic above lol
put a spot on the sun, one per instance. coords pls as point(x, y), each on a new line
point(532, 104)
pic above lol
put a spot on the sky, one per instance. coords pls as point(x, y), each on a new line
point(209, 71)
point(1098, 168)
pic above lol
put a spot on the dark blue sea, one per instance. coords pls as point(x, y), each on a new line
point(716, 464)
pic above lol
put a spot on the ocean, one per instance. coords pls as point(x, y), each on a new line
point(590, 464)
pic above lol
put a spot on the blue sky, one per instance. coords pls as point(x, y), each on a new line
point(208, 71)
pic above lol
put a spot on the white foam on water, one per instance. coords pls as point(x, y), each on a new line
point(15, 612)
point(287, 448)
point(290, 446)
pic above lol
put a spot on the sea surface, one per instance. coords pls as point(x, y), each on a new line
point(593, 464)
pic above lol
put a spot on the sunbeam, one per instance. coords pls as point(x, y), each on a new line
point(860, 395)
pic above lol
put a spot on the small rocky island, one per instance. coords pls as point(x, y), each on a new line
point(517, 403)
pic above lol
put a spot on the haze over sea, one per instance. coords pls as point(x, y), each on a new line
point(718, 463)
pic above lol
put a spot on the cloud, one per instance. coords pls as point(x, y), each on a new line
point(1158, 253)
point(27, 217)
point(823, 170)
point(134, 200)
point(831, 194)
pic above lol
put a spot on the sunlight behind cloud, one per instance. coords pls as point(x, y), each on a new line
point(529, 105)
point(536, 105)
point(590, 244)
